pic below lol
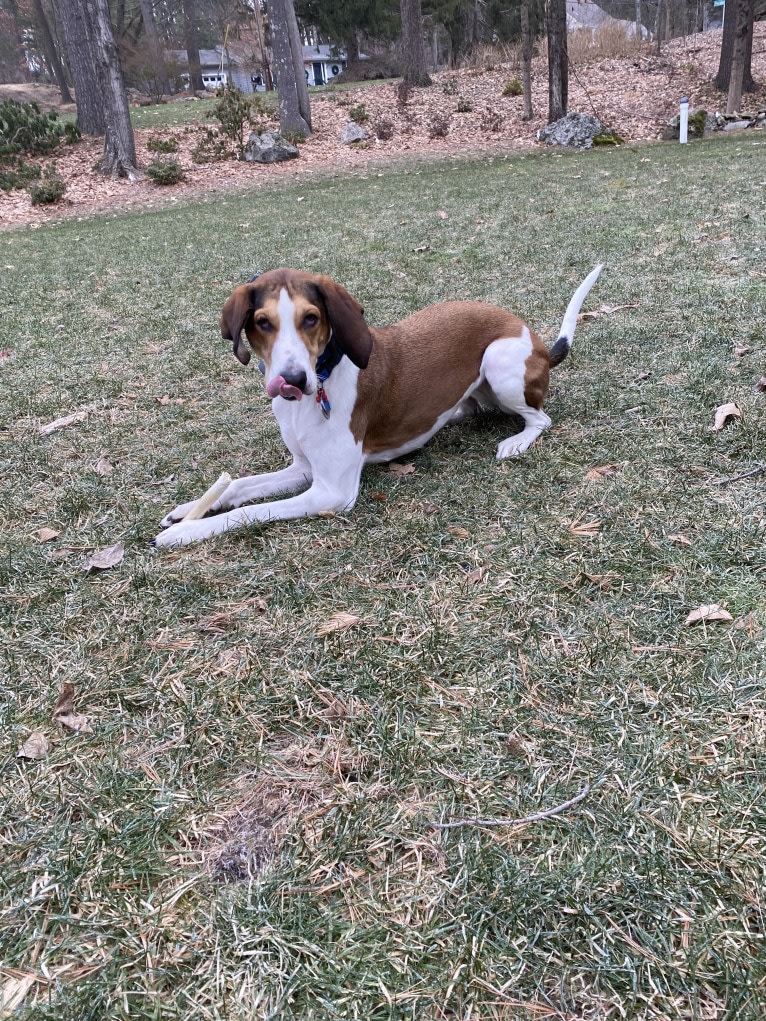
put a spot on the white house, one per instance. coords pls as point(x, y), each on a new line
point(322, 63)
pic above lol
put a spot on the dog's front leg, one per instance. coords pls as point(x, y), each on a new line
point(334, 489)
point(251, 487)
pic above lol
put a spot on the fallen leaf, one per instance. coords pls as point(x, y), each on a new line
point(103, 466)
point(760, 386)
point(680, 538)
point(380, 497)
point(401, 469)
point(428, 508)
point(710, 612)
point(166, 399)
point(338, 622)
point(748, 623)
point(740, 351)
point(63, 712)
point(106, 558)
point(443, 215)
point(461, 533)
point(46, 534)
point(585, 529)
point(60, 423)
point(422, 248)
point(722, 414)
point(7, 352)
point(476, 575)
point(75, 722)
point(600, 473)
point(65, 701)
point(334, 707)
point(603, 581)
point(36, 746)
point(63, 553)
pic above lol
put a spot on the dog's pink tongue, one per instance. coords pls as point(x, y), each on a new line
point(277, 387)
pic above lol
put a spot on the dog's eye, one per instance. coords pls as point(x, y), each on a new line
point(263, 324)
point(310, 321)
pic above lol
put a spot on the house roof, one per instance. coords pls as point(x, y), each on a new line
point(207, 58)
point(328, 54)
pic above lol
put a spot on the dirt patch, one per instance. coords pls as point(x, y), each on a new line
point(46, 96)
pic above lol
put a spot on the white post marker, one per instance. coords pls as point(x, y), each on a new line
point(683, 124)
point(206, 501)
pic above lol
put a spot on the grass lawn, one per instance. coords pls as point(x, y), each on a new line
point(247, 831)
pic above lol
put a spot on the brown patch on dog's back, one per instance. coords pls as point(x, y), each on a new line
point(423, 377)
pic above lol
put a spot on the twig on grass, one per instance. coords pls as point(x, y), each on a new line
point(745, 475)
point(536, 817)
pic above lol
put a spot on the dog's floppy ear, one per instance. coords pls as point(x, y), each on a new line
point(239, 305)
point(346, 317)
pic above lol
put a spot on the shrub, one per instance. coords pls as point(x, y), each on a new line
point(50, 188)
point(234, 110)
point(491, 120)
point(18, 175)
point(438, 125)
point(449, 87)
point(383, 128)
point(164, 145)
point(358, 114)
point(24, 128)
point(607, 41)
point(403, 93)
point(513, 88)
point(211, 148)
point(164, 172)
point(464, 105)
point(294, 137)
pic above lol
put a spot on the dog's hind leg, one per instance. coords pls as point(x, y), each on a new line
point(517, 377)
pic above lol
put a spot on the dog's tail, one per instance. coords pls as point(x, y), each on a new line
point(560, 349)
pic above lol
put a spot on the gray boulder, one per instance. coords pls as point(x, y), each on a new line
point(352, 132)
point(268, 147)
point(576, 129)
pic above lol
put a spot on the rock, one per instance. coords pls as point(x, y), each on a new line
point(701, 124)
point(576, 129)
point(351, 133)
point(268, 147)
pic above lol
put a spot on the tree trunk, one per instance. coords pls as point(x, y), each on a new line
point(161, 76)
point(415, 70)
point(658, 24)
point(639, 29)
point(526, 60)
point(192, 46)
point(743, 34)
point(352, 48)
point(723, 77)
point(558, 62)
point(119, 157)
point(51, 53)
point(82, 65)
point(289, 71)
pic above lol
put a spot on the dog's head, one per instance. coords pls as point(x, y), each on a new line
point(289, 318)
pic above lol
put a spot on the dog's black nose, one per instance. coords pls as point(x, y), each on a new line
point(296, 379)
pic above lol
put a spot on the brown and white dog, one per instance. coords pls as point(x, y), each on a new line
point(346, 394)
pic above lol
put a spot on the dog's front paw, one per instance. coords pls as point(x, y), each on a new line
point(181, 534)
point(177, 514)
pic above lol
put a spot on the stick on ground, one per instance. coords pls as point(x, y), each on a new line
point(556, 810)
